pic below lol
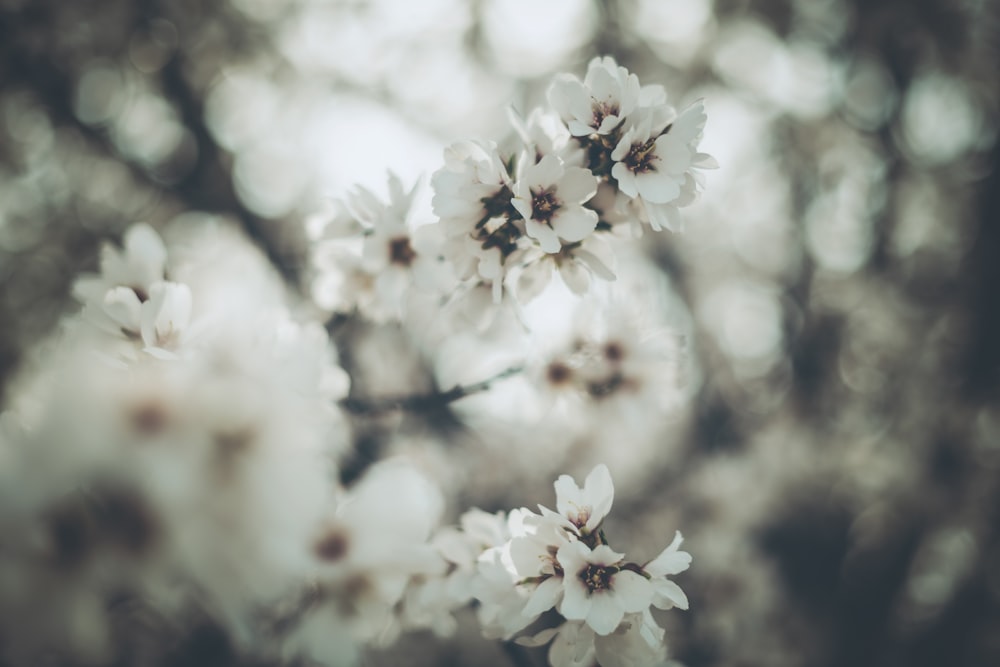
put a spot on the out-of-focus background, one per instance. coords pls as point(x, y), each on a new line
point(837, 469)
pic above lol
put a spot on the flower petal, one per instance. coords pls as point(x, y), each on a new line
point(545, 596)
point(670, 561)
point(577, 185)
point(605, 615)
point(574, 223)
point(657, 187)
point(632, 591)
point(667, 594)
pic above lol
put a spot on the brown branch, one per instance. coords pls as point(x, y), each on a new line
point(423, 402)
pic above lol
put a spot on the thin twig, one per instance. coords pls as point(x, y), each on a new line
point(419, 402)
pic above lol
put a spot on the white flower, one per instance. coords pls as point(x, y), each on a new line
point(575, 263)
point(138, 265)
point(597, 589)
point(667, 594)
point(472, 176)
point(544, 133)
point(600, 102)
point(583, 510)
point(638, 642)
point(550, 196)
point(572, 644)
point(653, 159)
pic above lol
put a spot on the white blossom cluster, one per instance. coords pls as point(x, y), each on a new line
point(523, 565)
point(608, 153)
point(178, 451)
point(176, 446)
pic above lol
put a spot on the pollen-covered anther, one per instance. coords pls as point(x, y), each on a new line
point(597, 577)
point(544, 204)
point(641, 157)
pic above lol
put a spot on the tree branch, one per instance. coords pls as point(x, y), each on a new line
point(421, 402)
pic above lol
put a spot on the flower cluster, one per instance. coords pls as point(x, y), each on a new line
point(607, 151)
point(606, 154)
point(531, 563)
point(202, 476)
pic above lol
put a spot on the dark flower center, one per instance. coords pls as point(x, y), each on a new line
point(601, 111)
point(597, 577)
point(332, 546)
point(544, 205)
point(559, 373)
point(401, 252)
point(640, 158)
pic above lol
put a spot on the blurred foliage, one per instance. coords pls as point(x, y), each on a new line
point(839, 481)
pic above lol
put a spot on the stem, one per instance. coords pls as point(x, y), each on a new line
point(420, 402)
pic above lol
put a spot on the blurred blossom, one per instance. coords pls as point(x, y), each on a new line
point(101, 93)
point(530, 38)
point(675, 29)
point(931, 98)
point(746, 321)
point(869, 94)
point(147, 129)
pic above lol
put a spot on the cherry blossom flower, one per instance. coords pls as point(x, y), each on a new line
point(653, 159)
point(600, 102)
point(583, 510)
point(597, 589)
point(550, 196)
point(667, 594)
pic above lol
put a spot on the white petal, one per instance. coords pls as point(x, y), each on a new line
point(576, 277)
point(632, 591)
point(704, 161)
point(664, 216)
point(625, 178)
point(533, 279)
point(523, 206)
point(670, 561)
point(122, 305)
point(546, 173)
point(574, 223)
point(594, 263)
point(577, 185)
point(577, 601)
point(604, 555)
point(544, 597)
point(572, 647)
point(667, 594)
point(569, 496)
point(545, 235)
point(657, 187)
point(605, 614)
point(599, 491)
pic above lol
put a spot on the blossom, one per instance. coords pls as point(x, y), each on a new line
point(550, 196)
point(575, 263)
point(597, 589)
point(667, 594)
point(653, 159)
point(600, 102)
point(583, 510)
point(140, 263)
